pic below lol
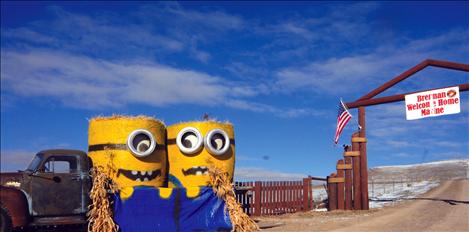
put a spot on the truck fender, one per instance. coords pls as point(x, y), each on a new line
point(15, 202)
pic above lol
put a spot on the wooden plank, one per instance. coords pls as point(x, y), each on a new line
point(318, 178)
point(405, 75)
point(283, 189)
point(253, 195)
point(266, 202)
point(332, 193)
point(336, 180)
point(288, 195)
point(299, 192)
point(251, 200)
point(344, 166)
point(398, 97)
point(269, 198)
point(276, 195)
point(295, 195)
point(258, 198)
point(284, 196)
point(359, 139)
point(292, 196)
point(306, 182)
point(351, 153)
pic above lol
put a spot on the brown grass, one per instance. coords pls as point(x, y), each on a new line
point(100, 211)
point(222, 186)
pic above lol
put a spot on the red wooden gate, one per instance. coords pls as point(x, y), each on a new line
point(274, 197)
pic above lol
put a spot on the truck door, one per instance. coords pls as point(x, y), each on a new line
point(56, 188)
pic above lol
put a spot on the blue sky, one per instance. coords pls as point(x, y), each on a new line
point(275, 70)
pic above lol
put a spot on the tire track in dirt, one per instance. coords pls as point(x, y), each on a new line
point(441, 209)
point(432, 213)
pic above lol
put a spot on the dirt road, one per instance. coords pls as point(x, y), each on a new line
point(445, 208)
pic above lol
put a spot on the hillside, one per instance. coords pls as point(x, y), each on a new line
point(406, 181)
point(433, 171)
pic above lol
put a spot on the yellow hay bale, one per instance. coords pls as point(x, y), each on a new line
point(223, 187)
point(214, 121)
point(185, 166)
point(119, 116)
point(110, 135)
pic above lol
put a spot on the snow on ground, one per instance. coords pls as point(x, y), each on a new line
point(389, 194)
point(319, 194)
point(385, 194)
point(442, 162)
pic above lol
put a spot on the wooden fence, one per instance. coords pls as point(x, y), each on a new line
point(274, 197)
point(344, 187)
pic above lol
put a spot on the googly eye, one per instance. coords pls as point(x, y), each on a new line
point(217, 142)
point(141, 143)
point(189, 140)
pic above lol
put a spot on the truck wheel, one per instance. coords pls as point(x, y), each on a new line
point(5, 220)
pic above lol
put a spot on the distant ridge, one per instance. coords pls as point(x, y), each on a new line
point(438, 170)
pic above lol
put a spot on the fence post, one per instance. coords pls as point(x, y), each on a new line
point(357, 198)
point(340, 185)
point(363, 160)
point(332, 196)
point(257, 198)
point(348, 183)
point(306, 194)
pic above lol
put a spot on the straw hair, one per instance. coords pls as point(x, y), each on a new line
point(221, 184)
point(100, 212)
point(203, 121)
point(129, 117)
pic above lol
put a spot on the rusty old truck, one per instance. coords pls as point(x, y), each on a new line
point(53, 192)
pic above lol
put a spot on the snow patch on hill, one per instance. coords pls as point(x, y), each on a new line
point(399, 193)
point(436, 163)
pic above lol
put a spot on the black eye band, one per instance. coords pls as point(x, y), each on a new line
point(113, 146)
point(173, 141)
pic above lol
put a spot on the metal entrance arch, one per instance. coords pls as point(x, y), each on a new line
point(368, 100)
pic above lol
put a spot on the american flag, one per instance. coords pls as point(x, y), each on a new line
point(342, 119)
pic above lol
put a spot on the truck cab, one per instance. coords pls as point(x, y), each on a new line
point(54, 190)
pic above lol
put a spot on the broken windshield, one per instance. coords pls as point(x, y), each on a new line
point(33, 166)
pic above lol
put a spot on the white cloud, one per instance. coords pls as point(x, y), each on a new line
point(418, 143)
point(255, 173)
point(85, 34)
point(355, 73)
point(214, 19)
point(28, 35)
point(162, 29)
point(389, 121)
point(89, 83)
point(12, 160)
point(284, 113)
point(84, 82)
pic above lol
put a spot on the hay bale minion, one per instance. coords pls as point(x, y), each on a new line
point(131, 150)
point(201, 157)
point(194, 147)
